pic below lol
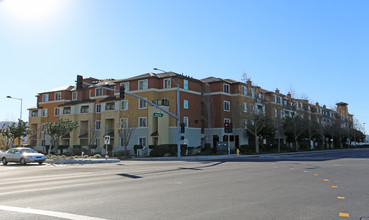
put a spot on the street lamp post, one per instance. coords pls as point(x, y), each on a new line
point(178, 115)
point(9, 97)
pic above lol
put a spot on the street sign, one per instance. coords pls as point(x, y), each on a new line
point(157, 114)
point(107, 139)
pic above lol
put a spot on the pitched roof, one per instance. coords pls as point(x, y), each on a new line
point(63, 88)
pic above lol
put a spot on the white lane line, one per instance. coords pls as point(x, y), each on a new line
point(48, 213)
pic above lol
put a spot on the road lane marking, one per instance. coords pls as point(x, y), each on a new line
point(48, 213)
point(343, 214)
point(340, 197)
point(334, 186)
point(315, 174)
point(326, 180)
point(305, 171)
point(292, 168)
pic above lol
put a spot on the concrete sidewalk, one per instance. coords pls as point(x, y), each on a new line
point(232, 156)
point(82, 161)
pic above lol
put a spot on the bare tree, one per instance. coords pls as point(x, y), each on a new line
point(245, 77)
point(125, 133)
point(207, 99)
point(258, 125)
point(294, 127)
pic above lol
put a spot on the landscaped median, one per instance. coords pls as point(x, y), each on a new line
point(53, 159)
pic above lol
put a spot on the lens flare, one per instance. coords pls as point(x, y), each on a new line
point(31, 10)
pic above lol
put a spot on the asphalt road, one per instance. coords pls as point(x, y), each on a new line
point(318, 185)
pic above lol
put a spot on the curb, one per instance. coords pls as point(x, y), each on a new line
point(80, 161)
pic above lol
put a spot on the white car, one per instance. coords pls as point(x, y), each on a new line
point(22, 155)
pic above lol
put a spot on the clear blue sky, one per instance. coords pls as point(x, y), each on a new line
point(318, 48)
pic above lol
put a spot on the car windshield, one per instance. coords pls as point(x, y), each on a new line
point(28, 151)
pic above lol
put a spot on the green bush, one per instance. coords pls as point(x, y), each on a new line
point(96, 156)
point(167, 150)
point(246, 149)
point(136, 147)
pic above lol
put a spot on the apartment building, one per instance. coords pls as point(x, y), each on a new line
point(205, 105)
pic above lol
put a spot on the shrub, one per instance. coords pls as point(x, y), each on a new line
point(136, 147)
point(167, 149)
point(96, 156)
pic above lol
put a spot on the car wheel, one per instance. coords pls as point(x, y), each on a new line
point(5, 162)
point(40, 163)
point(22, 161)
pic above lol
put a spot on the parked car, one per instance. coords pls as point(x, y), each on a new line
point(22, 155)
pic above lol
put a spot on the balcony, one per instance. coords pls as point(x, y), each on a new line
point(161, 102)
point(259, 101)
point(289, 107)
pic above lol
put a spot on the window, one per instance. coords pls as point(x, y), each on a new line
point(275, 113)
point(280, 100)
point(252, 108)
point(244, 90)
point(125, 86)
point(185, 84)
point(167, 83)
point(124, 105)
point(109, 106)
point(84, 109)
point(285, 102)
point(98, 108)
point(74, 96)
point(226, 88)
point(281, 113)
point(34, 114)
point(244, 107)
point(142, 104)
point(309, 108)
point(244, 123)
point(58, 96)
point(142, 84)
point(142, 122)
point(185, 104)
point(227, 106)
point(66, 111)
point(98, 92)
point(252, 93)
point(275, 99)
point(227, 120)
point(57, 111)
point(142, 141)
point(44, 113)
point(297, 105)
point(45, 98)
point(124, 122)
point(185, 121)
point(97, 124)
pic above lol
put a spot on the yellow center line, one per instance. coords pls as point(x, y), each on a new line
point(340, 197)
point(334, 186)
point(343, 214)
point(326, 180)
point(315, 174)
point(305, 171)
point(292, 168)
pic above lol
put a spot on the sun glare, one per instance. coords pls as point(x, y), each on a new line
point(31, 9)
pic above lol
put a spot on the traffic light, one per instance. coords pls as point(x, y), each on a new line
point(79, 82)
point(122, 92)
point(183, 127)
point(228, 127)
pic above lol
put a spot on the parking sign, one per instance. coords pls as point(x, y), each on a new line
point(107, 139)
